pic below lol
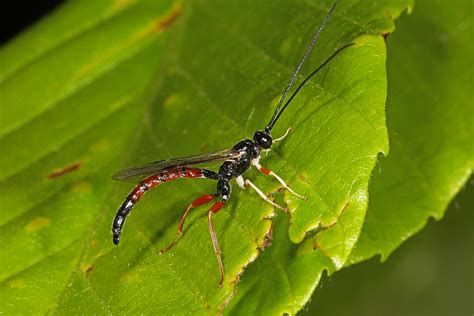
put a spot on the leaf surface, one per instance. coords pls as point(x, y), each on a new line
point(72, 93)
point(430, 120)
point(84, 104)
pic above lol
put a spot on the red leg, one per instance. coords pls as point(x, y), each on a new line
point(197, 202)
point(266, 171)
point(214, 209)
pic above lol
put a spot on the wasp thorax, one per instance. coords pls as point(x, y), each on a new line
point(263, 139)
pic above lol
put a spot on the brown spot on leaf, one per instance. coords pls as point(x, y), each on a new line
point(88, 269)
point(344, 206)
point(385, 35)
point(267, 240)
point(317, 246)
point(62, 171)
point(170, 18)
point(303, 178)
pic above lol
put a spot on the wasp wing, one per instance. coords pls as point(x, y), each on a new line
point(157, 166)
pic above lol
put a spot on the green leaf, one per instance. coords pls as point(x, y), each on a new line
point(285, 276)
point(72, 93)
point(420, 278)
point(84, 103)
point(430, 122)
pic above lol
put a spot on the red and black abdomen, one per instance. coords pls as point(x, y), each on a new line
point(146, 184)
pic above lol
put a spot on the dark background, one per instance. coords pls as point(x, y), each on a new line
point(16, 15)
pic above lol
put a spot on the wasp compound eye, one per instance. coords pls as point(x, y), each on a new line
point(263, 139)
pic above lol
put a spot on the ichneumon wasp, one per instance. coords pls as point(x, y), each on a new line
point(236, 161)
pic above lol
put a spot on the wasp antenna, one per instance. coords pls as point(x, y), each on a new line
point(306, 80)
point(269, 127)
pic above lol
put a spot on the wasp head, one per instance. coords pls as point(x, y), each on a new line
point(263, 139)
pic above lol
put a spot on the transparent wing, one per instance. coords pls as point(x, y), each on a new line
point(157, 166)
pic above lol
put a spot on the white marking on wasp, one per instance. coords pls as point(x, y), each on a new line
point(244, 183)
point(240, 182)
point(255, 162)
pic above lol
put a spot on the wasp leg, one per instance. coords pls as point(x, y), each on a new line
point(197, 202)
point(283, 183)
point(246, 183)
point(214, 209)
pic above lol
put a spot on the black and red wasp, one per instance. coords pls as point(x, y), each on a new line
point(236, 161)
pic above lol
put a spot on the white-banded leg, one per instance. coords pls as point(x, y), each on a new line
point(245, 183)
point(273, 174)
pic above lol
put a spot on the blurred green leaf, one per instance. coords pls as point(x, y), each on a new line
point(420, 278)
point(72, 93)
point(81, 101)
point(430, 119)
